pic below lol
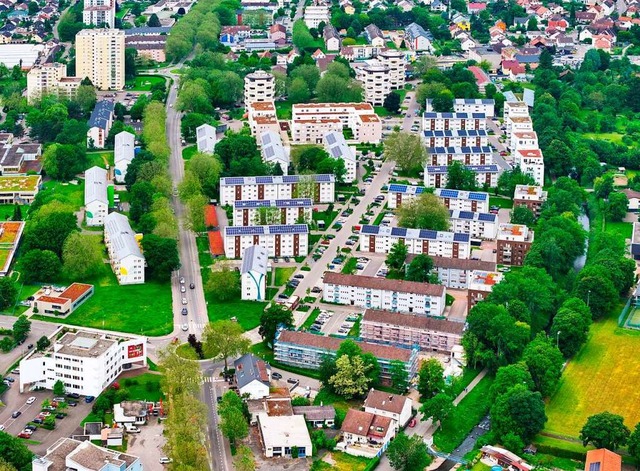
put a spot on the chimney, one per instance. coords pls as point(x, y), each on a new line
point(390, 398)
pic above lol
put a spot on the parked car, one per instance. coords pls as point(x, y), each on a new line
point(182, 280)
point(37, 420)
point(60, 415)
point(276, 375)
point(192, 286)
point(183, 289)
point(59, 399)
point(74, 403)
point(299, 276)
point(74, 395)
point(25, 434)
point(9, 379)
point(412, 422)
point(16, 414)
point(184, 301)
point(165, 460)
point(292, 381)
point(185, 327)
point(33, 428)
point(89, 399)
point(184, 311)
point(283, 296)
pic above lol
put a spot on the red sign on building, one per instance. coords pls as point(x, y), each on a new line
point(135, 351)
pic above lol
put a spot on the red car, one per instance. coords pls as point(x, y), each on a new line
point(412, 422)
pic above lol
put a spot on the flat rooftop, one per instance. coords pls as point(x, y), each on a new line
point(515, 232)
point(529, 193)
point(484, 280)
point(19, 183)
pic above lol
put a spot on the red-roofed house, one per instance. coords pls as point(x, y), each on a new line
point(558, 23)
point(476, 7)
point(482, 79)
point(63, 303)
point(365, 434)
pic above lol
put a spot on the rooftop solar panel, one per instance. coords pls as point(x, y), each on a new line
point(289, 178)
point(395, 188)
point(460, 237)
point(331, 139)
point(264, 180)
point(478, 196)
point(324, 178)
point(269, 152)
point(266, 138)
point(487, 217)
point(399, 231)
point(444, 193)
point(234, 181)
point(466, 214)
point(366, 229)
point(428, 234)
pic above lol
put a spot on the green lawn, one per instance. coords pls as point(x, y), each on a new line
point(464, 417)
point(345, 462)
point(604, 375)
point(66, 193)
point(506, 203)
point(6, 211)
point(204, 256)
point(189, 151)
point(283, 275)
point(310, 320)
point(246, 312)
point(606, 136)
point(138, 309)
point(122, 13)
point(283, 109)
point(100, 158)
point(623, 229)
point(143, 83)
point(143, 387)
point(459, 383)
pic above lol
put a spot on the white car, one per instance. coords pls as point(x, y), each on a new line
point(31, 400)
point(185, 327)
point(165, 460)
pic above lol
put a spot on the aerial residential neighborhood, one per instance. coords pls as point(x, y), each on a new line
point(319, 235)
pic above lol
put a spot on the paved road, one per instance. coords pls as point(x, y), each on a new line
point(38, 329)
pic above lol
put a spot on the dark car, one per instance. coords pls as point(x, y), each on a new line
point(192, 286)
point(184, 311)
point(287, 259)
point(299, 276)
point(60, 416)
point(8, 378)
point(30, 346)
point(283, 296)
point(16, 414)
point(74, 395)
point(315, 289)
point(292, 381)
point(276, 375)
point(89, 399)
point(37, 420)
point(33, 428)
point(72, 403)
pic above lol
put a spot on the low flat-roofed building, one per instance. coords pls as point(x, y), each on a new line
point(279, 240)
point(481, 284)
point(454, 273)
point(531, 196)
point(131, 412)
point(261, 212)
point(281, 434)
point(10, 235)
point(67, 453)
point(514, 242)
point(253, 273)
point(19, 189)
point(20, 158)
point(317, 416)
point(64, 303)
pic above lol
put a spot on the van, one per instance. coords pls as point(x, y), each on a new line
point(131, 428)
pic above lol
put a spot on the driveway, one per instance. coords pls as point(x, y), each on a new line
point(148, 445)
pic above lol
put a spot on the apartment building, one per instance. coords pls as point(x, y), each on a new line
point(101, 13)
point(360, 52)
point(375, 78)
point(514, 108)
point(320, 188)
point(453, 121)
point(455, 273)
point(100, 57)
point(533, 197)
point(477, 225)
point(406, 330)
point(316, 14)
point(96, 203)
point(517, 124)
point(258, 212)
point(279, 240)
point(396, 62)
point(67, 453)
point(206, 138)
point(50, 78)
point(124, 152)
point(149, 46)
point(306, 350)
point(523, 140)
point(127, 261)
point(514, 242)
point(100, 123)
point(475, 201)
point(85, 361)
point(481, 284)
point(332, 39)
point(531, 162)
point(379, 293)
point(259, 86)
point(253, 273)
point(417, 38)
point(311, 121)
point(380, 239)
point(374, 35)
point(435, 176)
point(262, 118)
point(273, 152)
point(399, 194)
point(475, 105)
point(465, 155)
point(456, 138)
point(337, 148)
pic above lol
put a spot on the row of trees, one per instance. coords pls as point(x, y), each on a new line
point(335, 85)
point(198, 28)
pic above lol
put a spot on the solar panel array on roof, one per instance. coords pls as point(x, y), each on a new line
point(445, 193)
point(292, 229)
point(457, 237)
point(269, 152)
point(289, 178)
point(483, 168)
point(466, 214)
point(460, 150)
point(264, 180)
point(478, 196)
point(324, 178)
point(266, 138)
point(331, 139)
point(335, 152)
point(293, 203)
point(244, 230)
point(437, 169)
point(251, 204)
point(428, 234)
point(488, 217)
point(399, 231)
point(234, 181)
point(369, 229)
point(396, 188)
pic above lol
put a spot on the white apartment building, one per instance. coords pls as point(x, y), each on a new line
point(375, 78)
point(514, 108)
point(206, 138)
point(531, 162)
point(273, 152)
point(253, 273)
point(475, 201)
point(316, 14)
point(397, 63)
point(481, 284)
point(320, 188)
point(85, 361)
point(454, 273)
point(477, 225)
point(447, 121)
point(100, 123)
point(465, 155)
point(259, 212)
point(259, 86)
point(101, 13)
point(337, 148)
point(262, 118)
point(279, 240)
point(456, 138)
point(372, 292)
point(96, 203)
point(100, 57)
point(52, 79)
point(399, 194)
point(475, 105)
point(533, 197)
point(124, 152)
point(311, 121)
point(380, 239)
point(435, 176)
point(513, 244)
point(516, 124)
point(127, 261)
point(523, 140)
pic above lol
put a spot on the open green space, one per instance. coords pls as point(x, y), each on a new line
point(189, 152)
point(506, 203)
point(100, 158)
point(622, 229)
point(614, 137)
point(143, 83)
point(247, 313)
point(283, 109)
point(66, 193)
point(283, 275)
point(310, 320)
point(145, 387)
point(344, 462)
point(138, 309)
point(460, 383)
point(6, 211)
point(464, 417)
point(603, 376)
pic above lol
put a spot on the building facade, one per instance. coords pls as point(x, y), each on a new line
point(396, 62)
point(435, 176)
point(279, 240)
point(101, 13)
point(375, 78)
point(533, 197)
point(100, 123)
point(320, 188)
point(100, 57)
point(96, 203)
point(456, 138)
point(337, 148)
point(475, 201)
point(206, 138)
point(50, 78)
point(531, 162)
point(259, 86)
point(253, 273)
point(66, 302)
point(475, 105)
point(481, 284)
point(273, 152)
point(432, 121)
point(514, 242)
point(124, 152)
point(465, 155)
point(477, 225)
point(399, 194)
point(261, 212)
point(326, 117)
point(127, 261)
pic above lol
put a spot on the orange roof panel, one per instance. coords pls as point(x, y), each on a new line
point(216, 246)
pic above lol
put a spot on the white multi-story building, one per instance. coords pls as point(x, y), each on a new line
point(453, 121)
point(85, 361)
point(523, 140)
point(481, 284)
point(456, 138)
point(454, 273)
point(124, 152)
point(435, 176)
point(259, 86)
point(260, 212)
point(316, 14)
point(273, 152)
point(253, 273)
point(100, 57)
point(206, 138)
point(397, 63)
point(262, 118)
point(372, 292)
point(279, 240)
point(51, 78)
point(127, 261)
point(375, 78)
point(531, 162)
point(533, 197)
point(464, 155)
point(380, 239)
point(513, 244)
point(337, 148)
point(96, 203)
point(320, 188)
point(516, 124)
point(67, 453)
point(100, 123)
point(515, 108)
point(475, 105)
point(101, 13)
point(399, 194)
point(311, 121)
point(477, 225)
point(475, 201)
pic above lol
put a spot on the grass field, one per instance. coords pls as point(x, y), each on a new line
point(143, 387)
point(66, 193)
point(189, 151)
point(603, 376)
point(143, 83)
point(100, 158)
point(623, 229)
point(606, 136)
point(283, 275)
point(344, 462)
point(246, 312)
point(500, 202)
point(283, 109)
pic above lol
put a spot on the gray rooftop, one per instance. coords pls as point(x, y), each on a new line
point(337, 148)
point(255, 258)
point(249, 368)
point(95, 185)
point(101, 115)
point(144, 30)
point(121, 236)
point(124, 146)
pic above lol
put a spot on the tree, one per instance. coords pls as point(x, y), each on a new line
point(407, 150)
point(17, 213)
point(634, 442)
point(224, 284)
point(336, 89)
point(223, 339)
point(397, 255)
point(64, 161)
point(424, 212)
point(605, 430)
point(420, 270)
point(233, 424)
point(154, 21)
point(544, 361)
point(298, 91)
point(140, 199)
point(399, 376)
point(58, 388)
point(244, 460)
point(43, 343)
point(523, 215)
point(40, 265)
point(350, 378)
point(596, 289)
point(161, 255)
point(438, 407)
point(518, 411)
point(602, 186)
point(508, 376)
point(460, 177)
point(430, 378)
point(392, 102)
point(49, 227)
point(208, 169)
point(21, 329)
point(443, 101)
point(82, 257)
point(301, 37)
point(570, 328)
point(8, 292)
point(271, 319)
point(408, 453)
point(309, 73)
point(617, 206)
point(14, 451)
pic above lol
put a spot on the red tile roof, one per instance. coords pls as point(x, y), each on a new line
point(75, 291)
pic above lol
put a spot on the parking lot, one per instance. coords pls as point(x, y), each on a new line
point(148, 445)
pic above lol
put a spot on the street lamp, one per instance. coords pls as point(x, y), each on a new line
point(588, 297)
point(558, 339)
